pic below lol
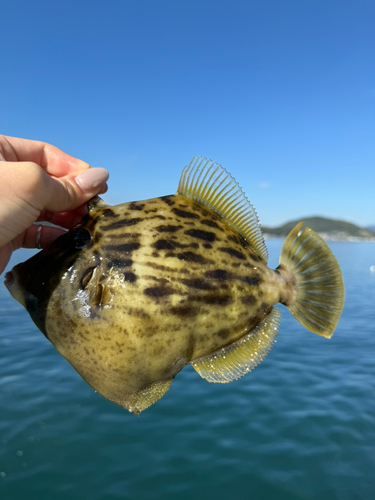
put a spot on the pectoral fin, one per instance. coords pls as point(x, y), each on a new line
point(237, 359)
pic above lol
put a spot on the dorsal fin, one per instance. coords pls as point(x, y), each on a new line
point(210, 184)
point(239, 358)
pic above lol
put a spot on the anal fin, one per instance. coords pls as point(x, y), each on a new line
point(235, 360)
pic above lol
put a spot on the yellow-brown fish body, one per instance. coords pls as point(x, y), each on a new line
point(137, 291)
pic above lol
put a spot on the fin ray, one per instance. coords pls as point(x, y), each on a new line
point(233, 361)
point(140, 400)
point(210, 184)
point(319, 284)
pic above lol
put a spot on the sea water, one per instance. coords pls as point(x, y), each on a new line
point(300, 426)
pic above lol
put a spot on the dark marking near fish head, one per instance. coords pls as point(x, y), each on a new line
point(233, 253)
point(97, 237)
point(184, 214)
point(124, 247)
point(207, 245)
point(136, 206)
point(130, 277)
point(168, 200)
point(108, 212)
point(121, 223)
point(202, 235)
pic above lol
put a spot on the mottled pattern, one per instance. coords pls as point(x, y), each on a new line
point(162, 282)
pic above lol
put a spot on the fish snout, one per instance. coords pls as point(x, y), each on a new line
point(11, 281)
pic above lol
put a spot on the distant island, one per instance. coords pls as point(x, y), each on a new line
point(329, 229)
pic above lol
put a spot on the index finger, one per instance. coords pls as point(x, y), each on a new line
point(54, 161)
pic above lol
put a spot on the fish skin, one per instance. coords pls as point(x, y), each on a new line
point(169, 281)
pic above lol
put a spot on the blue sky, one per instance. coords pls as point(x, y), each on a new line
point(281, 93)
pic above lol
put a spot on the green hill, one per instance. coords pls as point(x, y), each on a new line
point(331, 228)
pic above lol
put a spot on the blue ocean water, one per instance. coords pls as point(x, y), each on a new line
point(300, 426)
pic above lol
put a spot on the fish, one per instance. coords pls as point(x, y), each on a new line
point(135, 292)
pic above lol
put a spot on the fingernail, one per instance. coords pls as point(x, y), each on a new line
point(91, 179)
point(104, 189)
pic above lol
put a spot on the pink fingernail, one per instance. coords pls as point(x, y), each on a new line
point(91, 179)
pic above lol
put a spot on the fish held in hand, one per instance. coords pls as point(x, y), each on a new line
point(136, 291)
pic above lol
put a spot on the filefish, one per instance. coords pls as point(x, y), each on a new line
point(136, 291)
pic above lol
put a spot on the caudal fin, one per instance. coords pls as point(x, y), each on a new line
point(319, 284)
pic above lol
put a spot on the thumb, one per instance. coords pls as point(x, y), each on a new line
point(69, 192)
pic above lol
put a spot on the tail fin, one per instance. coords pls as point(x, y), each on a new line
point(320, 289)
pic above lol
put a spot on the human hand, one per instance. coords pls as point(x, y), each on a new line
point(39, 182)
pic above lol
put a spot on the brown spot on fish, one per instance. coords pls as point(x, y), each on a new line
point(254, 257)
point(157, 217)
point(136, 206)
point(233, 253)
point(97, 237)
point(163, 245)
point(125, 247)
point(168, 228)
point(251, 280)
point(233, 238)
point(192, 257)
point(184, 214)
point(202, 235)
point(108, 212)
point(196, 283)
point(220, 274)
point(217, 300)
point(186, 311)
point(207, 245)
point(167, 200)
point(248, 300)
point(211, 223)
point(159, 291)
point(121, 223)
point(223, 333)
point(159, 267)
point(130, 277)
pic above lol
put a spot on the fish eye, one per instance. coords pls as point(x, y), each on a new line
point(79, 238)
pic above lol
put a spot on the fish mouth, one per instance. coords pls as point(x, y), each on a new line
point(12, 283)
point(9, 280)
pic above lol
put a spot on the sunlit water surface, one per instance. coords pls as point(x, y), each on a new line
point(300, 426)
